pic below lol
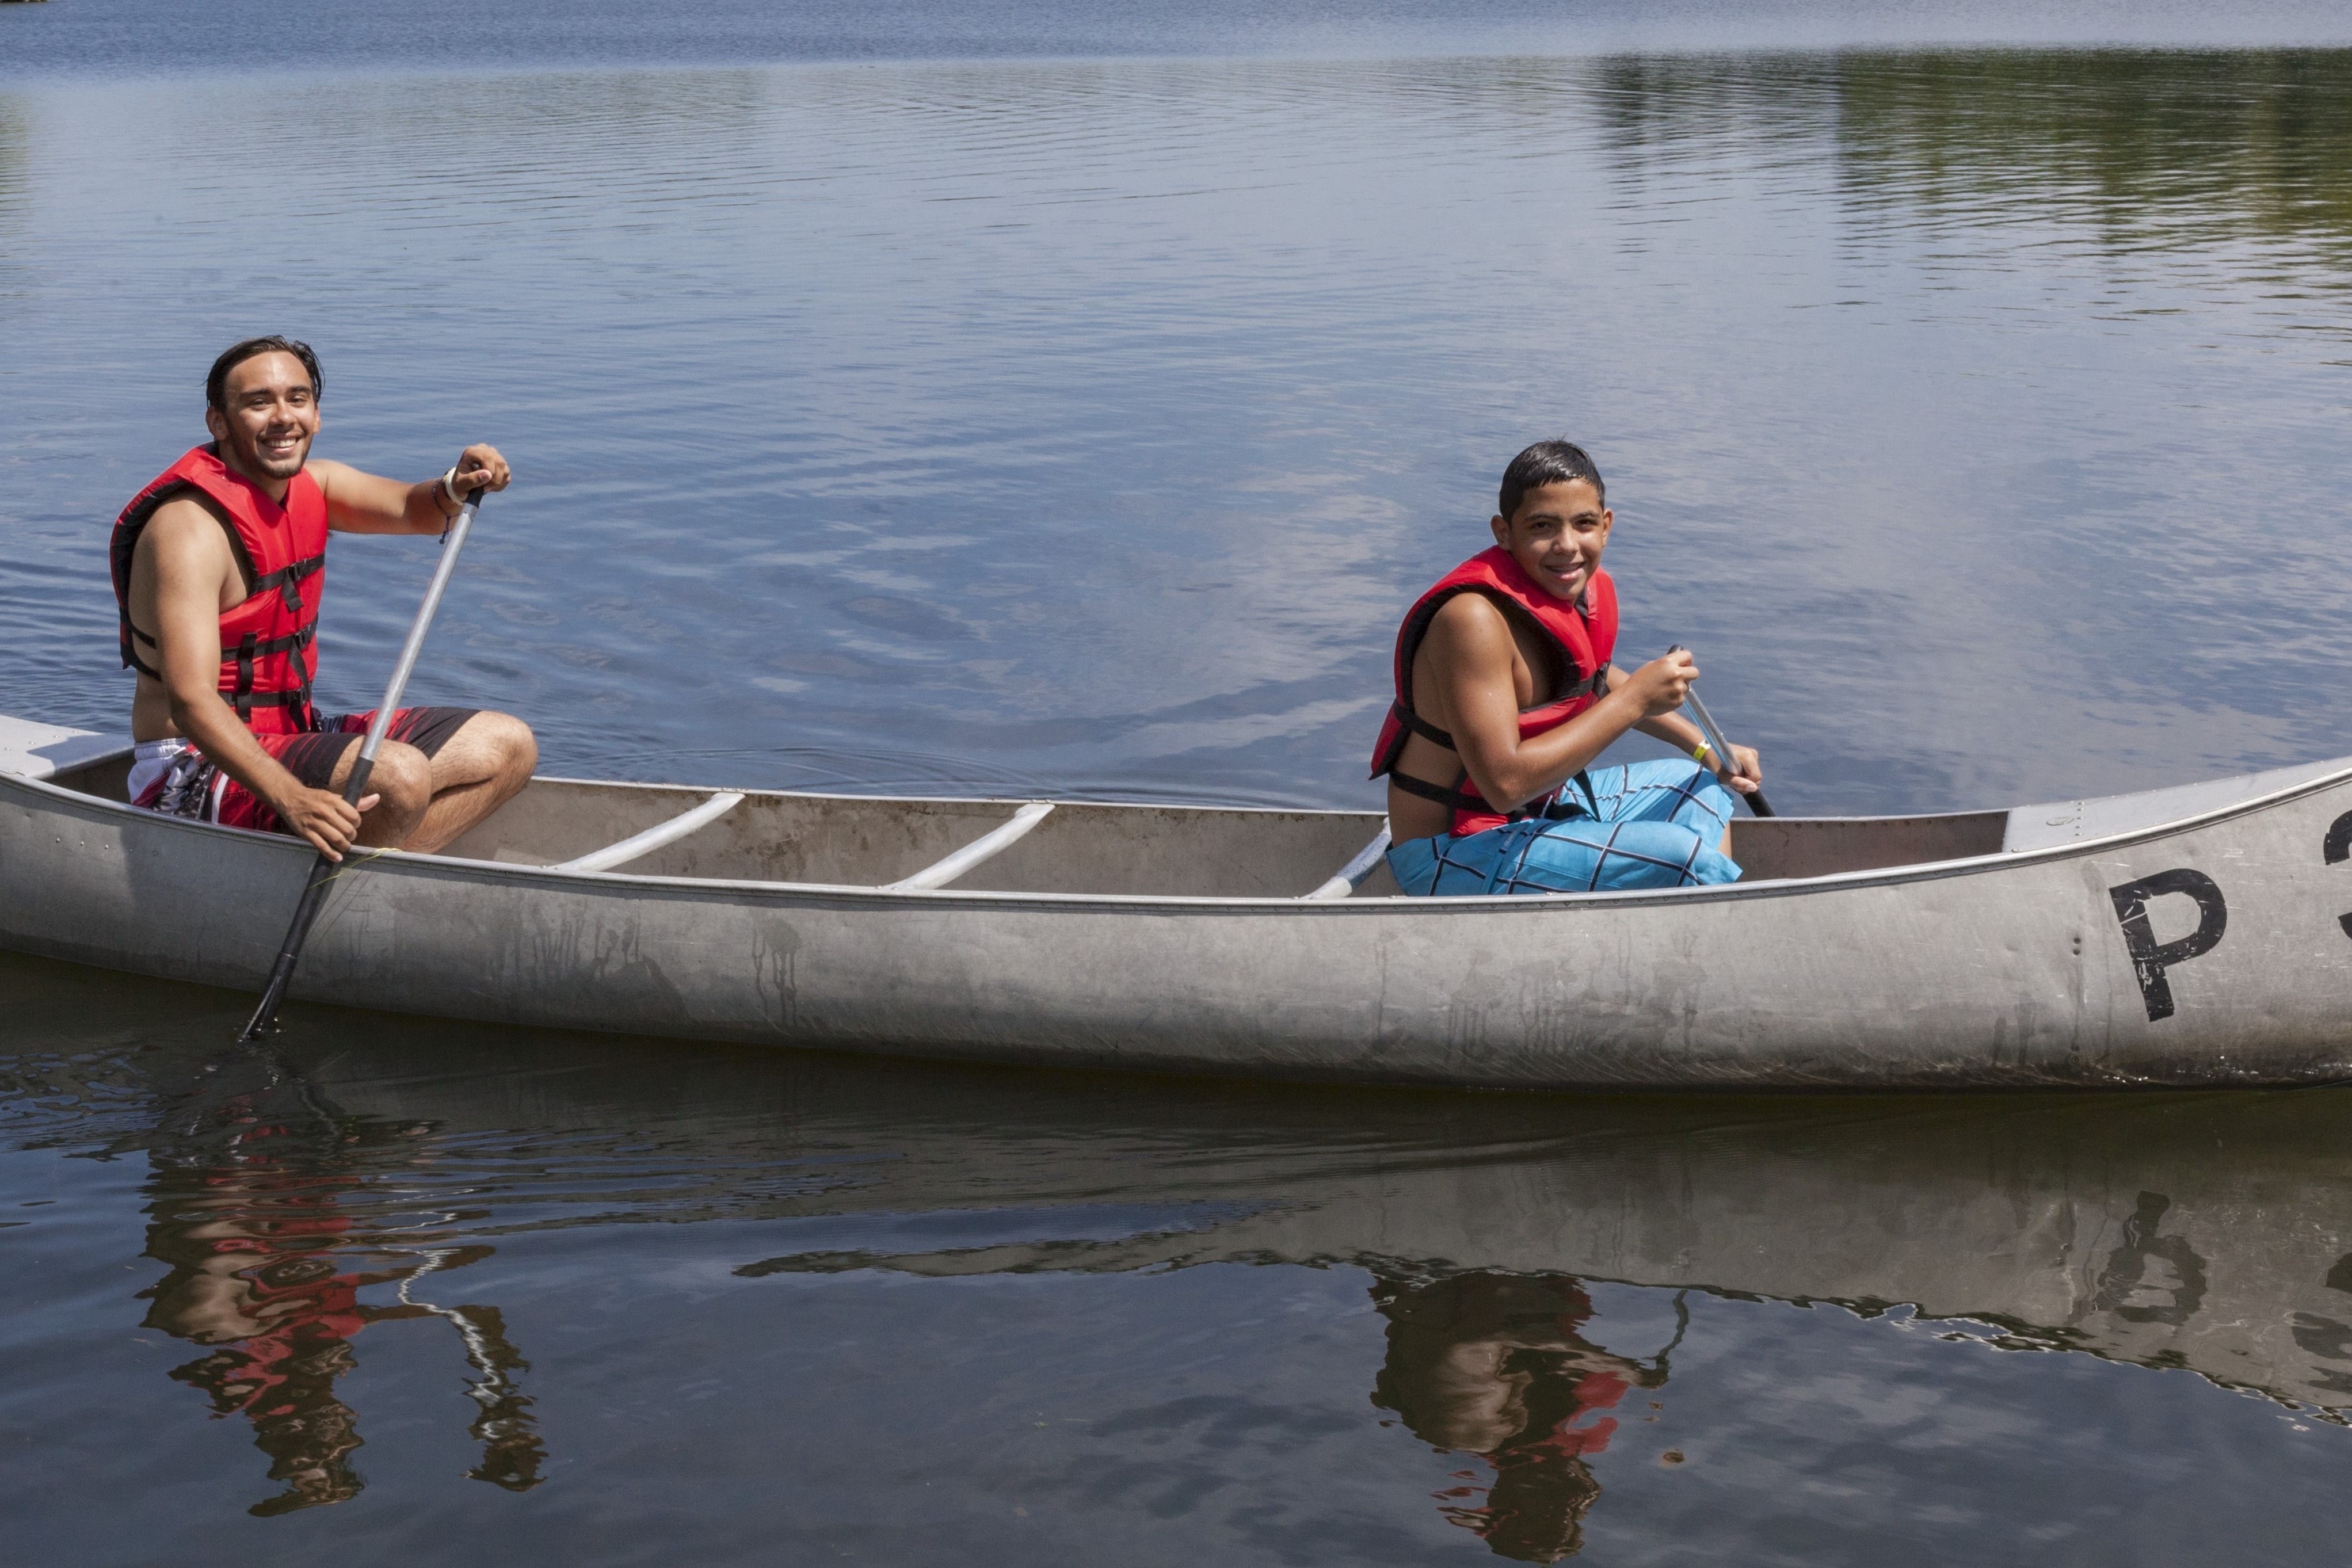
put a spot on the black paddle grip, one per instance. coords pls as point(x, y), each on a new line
point(282, 973)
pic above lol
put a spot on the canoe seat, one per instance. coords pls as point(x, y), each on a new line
point(1346, 879)
point(941, 872)
point(638, 845)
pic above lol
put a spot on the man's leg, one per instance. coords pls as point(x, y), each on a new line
point(480, 766)
point(468, 762)
point(401, 781)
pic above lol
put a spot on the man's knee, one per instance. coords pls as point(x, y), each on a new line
point(404, 778)
point(511, 741)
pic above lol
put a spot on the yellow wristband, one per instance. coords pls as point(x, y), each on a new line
point(1698, 752)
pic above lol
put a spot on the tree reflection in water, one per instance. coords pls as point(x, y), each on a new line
point(1496, 1365)
point(247, 1207)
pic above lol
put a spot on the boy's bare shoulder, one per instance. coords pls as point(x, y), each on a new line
point(1471, 624)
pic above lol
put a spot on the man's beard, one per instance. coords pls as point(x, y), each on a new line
point(277, 467)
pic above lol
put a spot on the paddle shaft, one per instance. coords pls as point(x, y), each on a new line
point(1713, 733)
point(323, 870)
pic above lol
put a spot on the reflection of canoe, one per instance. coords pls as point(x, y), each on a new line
point(2185, 936)
point(2206, 1232)
point(2209, 1233)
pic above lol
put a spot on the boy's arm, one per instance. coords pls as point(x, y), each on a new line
point(1471, 654)
point(1743, 770)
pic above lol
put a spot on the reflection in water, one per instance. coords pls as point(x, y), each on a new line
point(2155, 151)
point(1496, 1364)
point(295, 1203)
point(2151, 1278)
point(247, 1207)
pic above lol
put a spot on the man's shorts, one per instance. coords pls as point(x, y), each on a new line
point(1649, 824)
point(173, 778)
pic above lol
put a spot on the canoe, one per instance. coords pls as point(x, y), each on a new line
point(2192, 936)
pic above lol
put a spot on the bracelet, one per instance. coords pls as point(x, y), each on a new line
point(449, 489)
point(1698, 752)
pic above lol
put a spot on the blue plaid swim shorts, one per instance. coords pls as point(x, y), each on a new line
point(1648, 825)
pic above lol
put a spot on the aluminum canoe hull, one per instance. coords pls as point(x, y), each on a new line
point(2008, 970)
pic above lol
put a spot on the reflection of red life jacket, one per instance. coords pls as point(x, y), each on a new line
point(1594, 1391)
point(1586, 634)
point(268, 656)
point(308, 1307)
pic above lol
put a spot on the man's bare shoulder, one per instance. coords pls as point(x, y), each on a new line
point(187, 530)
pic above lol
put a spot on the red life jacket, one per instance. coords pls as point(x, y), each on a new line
point(268, 656)
point(1586, 633)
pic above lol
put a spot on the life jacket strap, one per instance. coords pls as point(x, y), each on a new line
point(1461, 800)
point(289, 580)
point(1595, 686)
point(250, 647)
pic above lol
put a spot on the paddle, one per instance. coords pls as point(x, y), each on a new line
point(1713, 733)
point(323, 870)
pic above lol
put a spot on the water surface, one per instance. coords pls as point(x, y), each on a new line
point(1083, 426)
point(1037, 399)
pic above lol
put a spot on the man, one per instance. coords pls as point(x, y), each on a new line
point(218, 566)
point(1505, 693)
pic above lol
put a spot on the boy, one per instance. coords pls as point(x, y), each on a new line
point(1504, 695)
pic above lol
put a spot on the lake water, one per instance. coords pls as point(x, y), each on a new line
point(1039, 398)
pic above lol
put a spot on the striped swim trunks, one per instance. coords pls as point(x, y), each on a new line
point(1644, 825)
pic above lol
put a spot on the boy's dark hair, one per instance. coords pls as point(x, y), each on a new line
point(216, 384)
point(1549, 463)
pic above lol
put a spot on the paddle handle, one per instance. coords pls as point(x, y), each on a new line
point(323, 870)
point(1715, 738)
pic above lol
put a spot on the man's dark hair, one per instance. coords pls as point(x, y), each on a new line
point(216, 384)
point(1549, 463)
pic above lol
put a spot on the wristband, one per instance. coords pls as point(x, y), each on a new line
point(449, 489)
point(1698, 752)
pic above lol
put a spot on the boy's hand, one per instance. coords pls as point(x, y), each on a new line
point(1662, 685)
point(1745, 773)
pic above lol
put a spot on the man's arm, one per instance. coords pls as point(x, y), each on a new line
point(188, 554)
point(1743, 770)
point(360, 503)
point(1473, 658)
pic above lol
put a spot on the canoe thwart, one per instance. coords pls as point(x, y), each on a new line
point(639, 845)
point(1345, 880)
point(941, 872)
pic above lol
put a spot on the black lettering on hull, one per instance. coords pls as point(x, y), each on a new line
point(2338, 847)
point(2149, 957)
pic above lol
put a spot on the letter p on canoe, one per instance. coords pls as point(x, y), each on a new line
point(2150, 957)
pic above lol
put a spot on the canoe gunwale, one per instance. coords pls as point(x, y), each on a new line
point(763, 891)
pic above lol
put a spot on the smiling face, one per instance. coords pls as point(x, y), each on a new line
point(1556, 536)
point(270, 418)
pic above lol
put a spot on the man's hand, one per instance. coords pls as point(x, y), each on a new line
point(481, 468)
point(1663, 685)
point(323, 817)
point(1744, 773)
